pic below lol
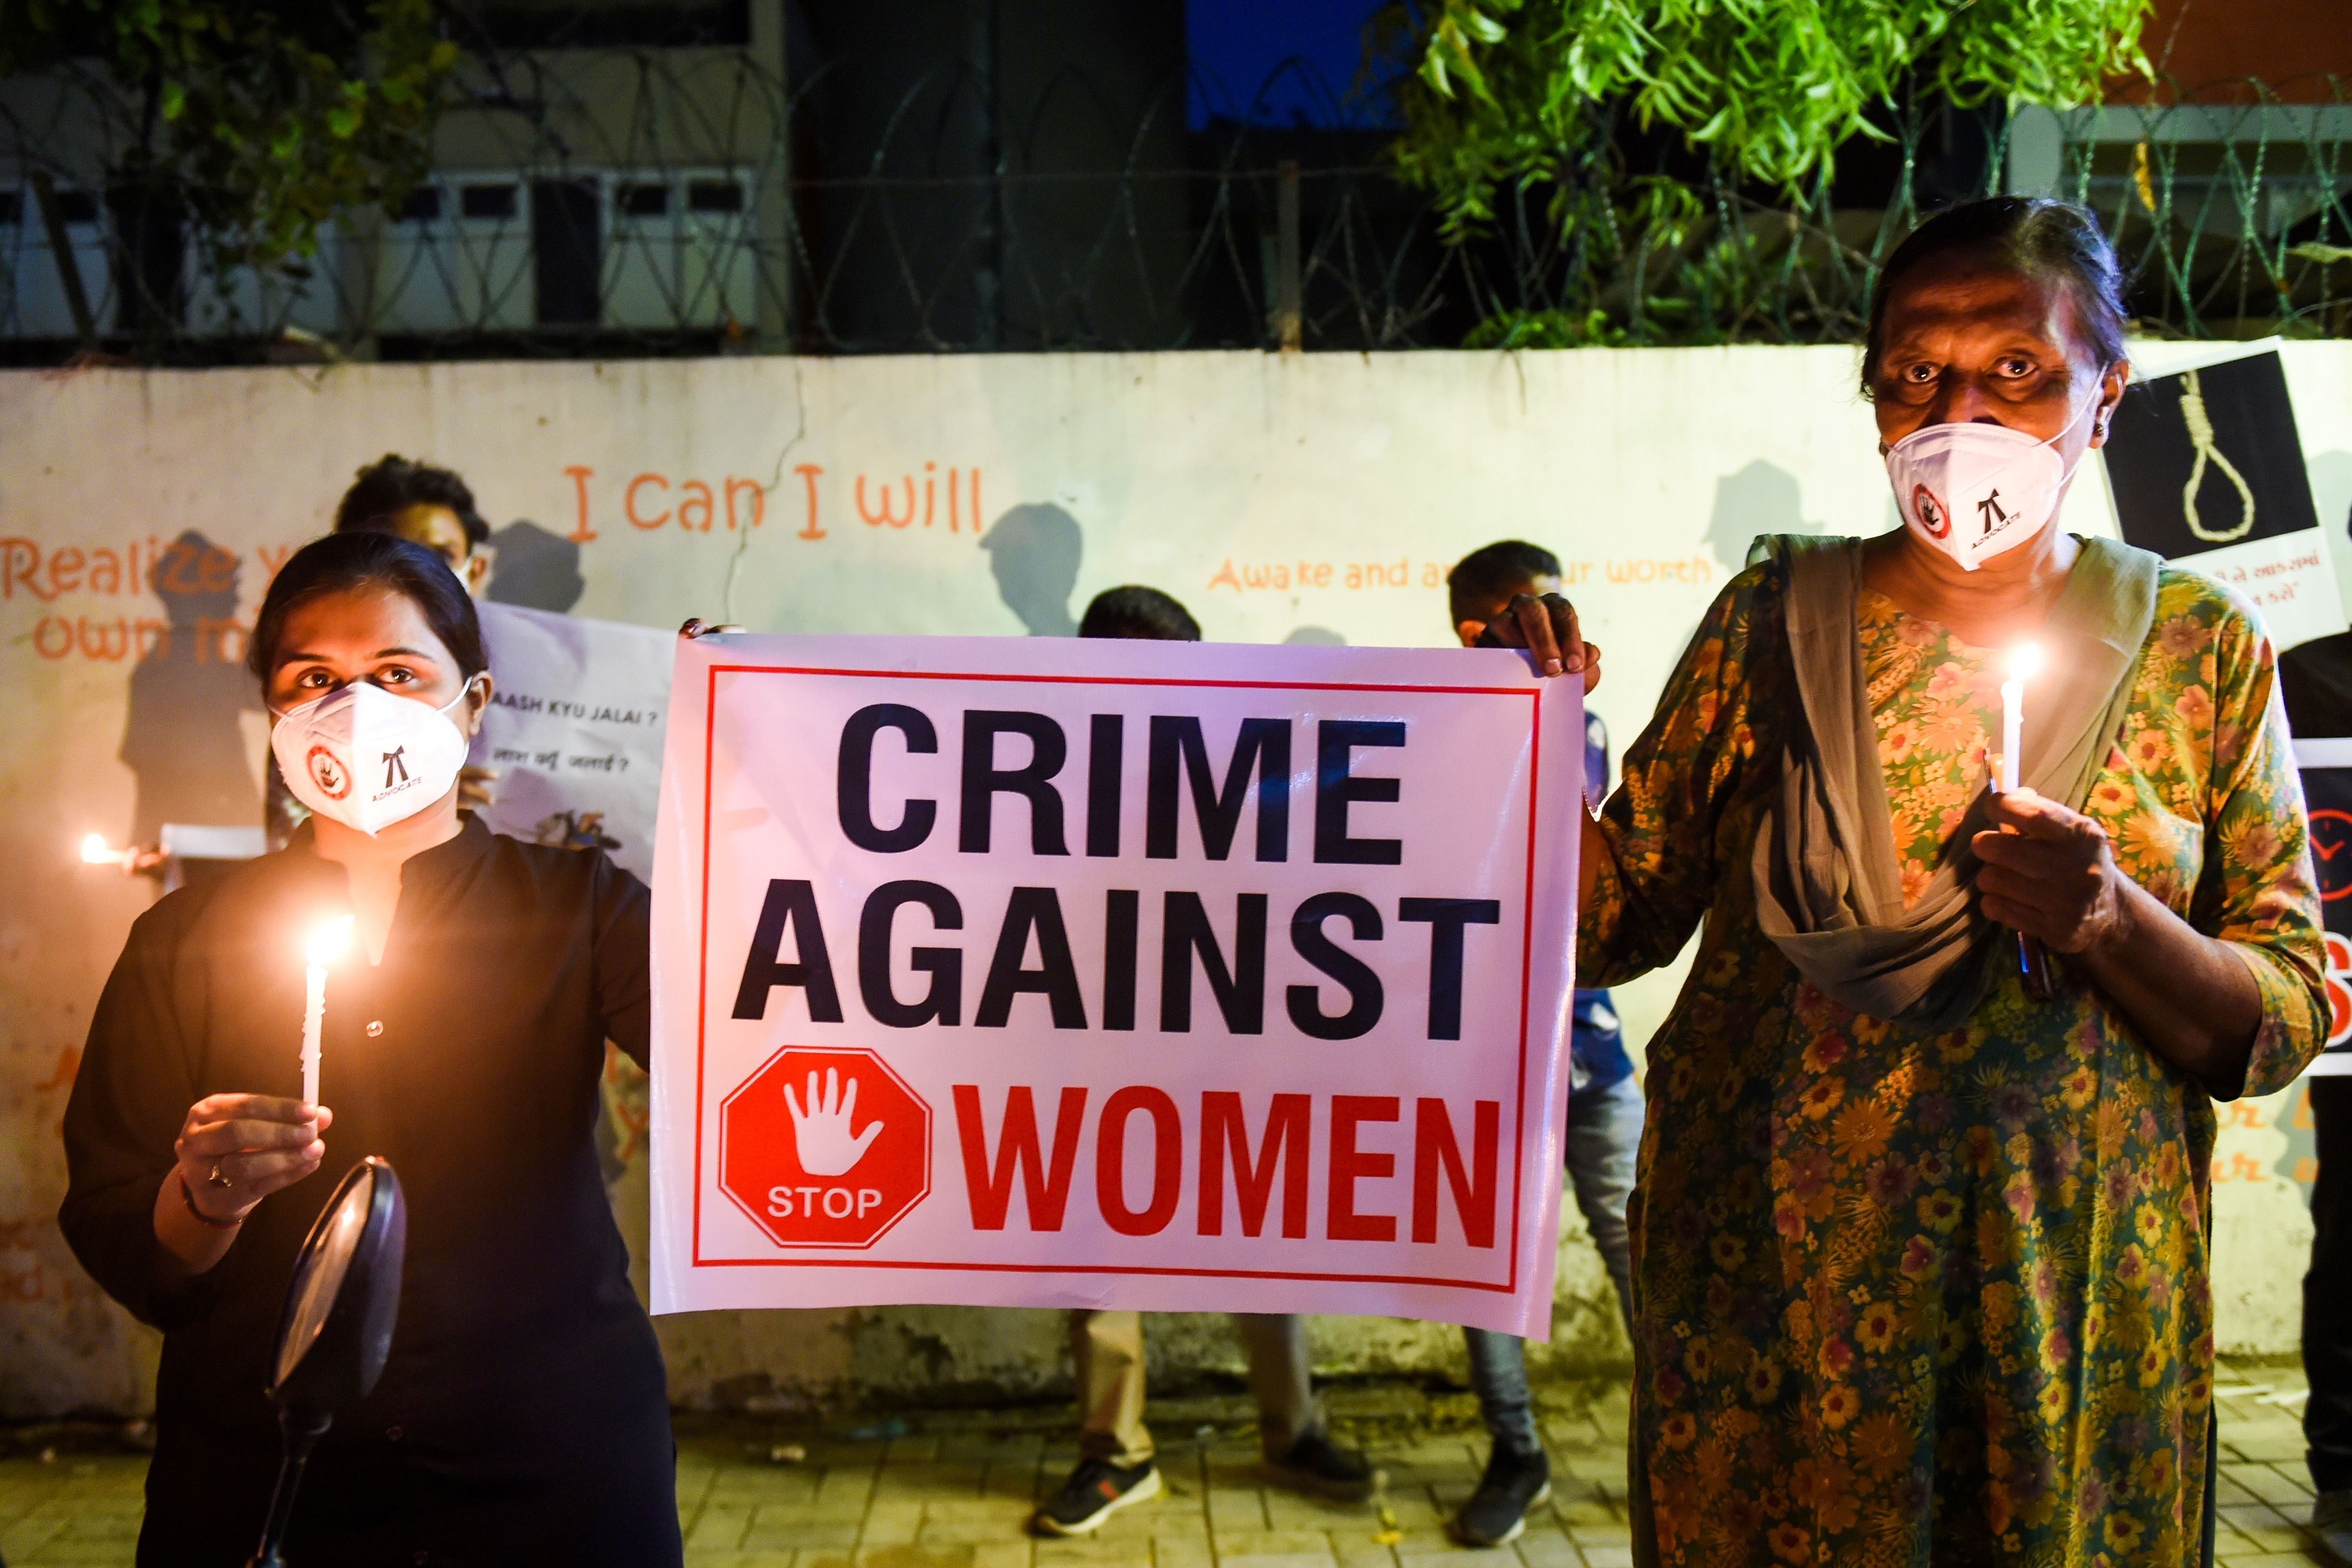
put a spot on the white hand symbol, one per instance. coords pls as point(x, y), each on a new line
point(821, 1133)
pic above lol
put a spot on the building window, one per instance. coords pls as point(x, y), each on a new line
point(642, 201)
point(487, 201)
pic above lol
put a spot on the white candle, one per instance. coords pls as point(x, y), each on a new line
point(2024, 662)
point(325, 943)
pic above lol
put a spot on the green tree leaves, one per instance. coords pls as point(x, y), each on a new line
point(262, 117)
point(1513, 94)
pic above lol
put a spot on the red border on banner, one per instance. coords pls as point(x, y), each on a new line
point(1526, 967)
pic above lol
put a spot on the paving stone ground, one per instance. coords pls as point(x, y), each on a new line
point(954, 1488)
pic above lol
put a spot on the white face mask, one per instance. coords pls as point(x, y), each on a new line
point(1976, 490)
point(368, 759)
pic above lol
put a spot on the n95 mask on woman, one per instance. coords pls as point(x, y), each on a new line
point(1976, 490)
point(368, 759)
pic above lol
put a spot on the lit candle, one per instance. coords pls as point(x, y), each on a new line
point(328, 941)
point(94, 852)
point(2024, 662)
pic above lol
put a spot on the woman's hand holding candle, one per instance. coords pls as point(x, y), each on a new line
point(233, 1150)
point(2048, 873)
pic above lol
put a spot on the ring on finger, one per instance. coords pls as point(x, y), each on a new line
point(217, 1178)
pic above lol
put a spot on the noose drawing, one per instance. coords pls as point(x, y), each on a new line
point(2201, 437)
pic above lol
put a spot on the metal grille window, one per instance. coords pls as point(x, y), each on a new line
point(487, 201)
point(682, 253)
point(665, 200)
point(34, 301)
point(458, 260)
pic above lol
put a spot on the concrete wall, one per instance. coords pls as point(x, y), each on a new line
point(1289, 497)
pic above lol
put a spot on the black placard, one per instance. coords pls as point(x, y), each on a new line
point(2152, 454)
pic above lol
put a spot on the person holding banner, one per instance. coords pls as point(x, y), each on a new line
point(1921, 1251)
point(523, 1414)
point(1116, 1465)
point(1603, 1135)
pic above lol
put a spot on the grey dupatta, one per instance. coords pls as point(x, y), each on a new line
point(1829, 893)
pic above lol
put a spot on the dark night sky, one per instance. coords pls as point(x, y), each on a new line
point(1237, 44)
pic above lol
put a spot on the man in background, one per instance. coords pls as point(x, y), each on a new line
point(1603, 1133)
point(424, 505)
point(1116, 1465)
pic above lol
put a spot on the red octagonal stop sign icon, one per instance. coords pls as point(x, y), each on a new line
point(824, 1147)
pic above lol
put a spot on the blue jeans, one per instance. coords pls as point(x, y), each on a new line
point(1602, 1138)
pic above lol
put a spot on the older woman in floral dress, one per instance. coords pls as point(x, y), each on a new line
point(1921, 1261)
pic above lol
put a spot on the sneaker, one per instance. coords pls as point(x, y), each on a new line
point(1315, 1464)
point(1513, 1486)
point(1095, 1490)
point(2331, 1527)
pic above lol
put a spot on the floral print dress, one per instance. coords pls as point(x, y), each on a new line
point(1909, 1298)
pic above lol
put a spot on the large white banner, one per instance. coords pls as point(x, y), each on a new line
point(1111, 973)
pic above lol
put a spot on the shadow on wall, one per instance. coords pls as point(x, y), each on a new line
point(181, 738)
point(1033, 551)
point(1316, 637)
point(1758, 499)
point(534, 569)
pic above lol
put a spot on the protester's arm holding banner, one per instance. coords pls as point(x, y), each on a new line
point(1647, 869)
point(1547, 629)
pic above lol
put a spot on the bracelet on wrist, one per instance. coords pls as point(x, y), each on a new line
point(202, 1217)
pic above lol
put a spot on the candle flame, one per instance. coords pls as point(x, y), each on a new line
point(95, 853)
point(2024, 662)
point(327, 940)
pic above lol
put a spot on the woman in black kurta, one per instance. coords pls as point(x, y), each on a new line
point(523, 1415)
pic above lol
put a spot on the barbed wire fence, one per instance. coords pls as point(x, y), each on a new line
point(617, 204)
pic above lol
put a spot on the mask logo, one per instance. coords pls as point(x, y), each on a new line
point(328, 774)
point(394, 768)
point(1932, 515)
point(1990, 513)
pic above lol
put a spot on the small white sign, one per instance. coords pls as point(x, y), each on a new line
point(574, 731)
